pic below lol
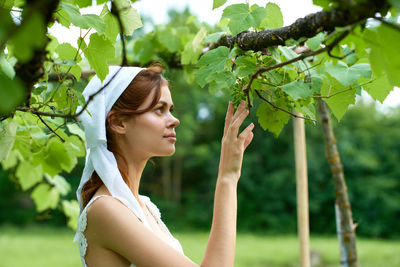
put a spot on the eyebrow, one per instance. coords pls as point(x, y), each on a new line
point(165, 104)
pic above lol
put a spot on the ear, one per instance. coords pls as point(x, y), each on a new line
point(116, 123)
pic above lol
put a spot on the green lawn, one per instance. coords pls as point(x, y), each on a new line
point(41, 247)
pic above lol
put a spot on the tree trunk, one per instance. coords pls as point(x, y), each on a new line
point(344, 218)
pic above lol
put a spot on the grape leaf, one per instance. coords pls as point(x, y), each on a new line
point(258, 13)
point(22, 43)
point(60, 183)
point(45, 197)
point(71, 211)
point(13, 91)
point(380, 87)
point(193, 49)
point(83, 21)
point(245, 66)
point(298, 89)
point(340, 97)
point(28, 175)
point(66, 51)
point(211, 62)
point(348, 75)
point(130, 18)
point(99, 51)
point(315, 42)
point(7, 138)
point(6, 68)
point(218, 3)
point(112, 28)
point(274, 18)
point(239, 17)
point(272, 119)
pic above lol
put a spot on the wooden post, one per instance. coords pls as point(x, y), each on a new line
point(302, 190)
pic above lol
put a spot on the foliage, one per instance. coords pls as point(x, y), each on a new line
point(40, 141)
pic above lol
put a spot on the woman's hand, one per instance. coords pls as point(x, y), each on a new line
point(233, 146)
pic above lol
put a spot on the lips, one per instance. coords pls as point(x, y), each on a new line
point(171, 137)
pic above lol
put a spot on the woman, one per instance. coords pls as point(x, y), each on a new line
point(127, 122)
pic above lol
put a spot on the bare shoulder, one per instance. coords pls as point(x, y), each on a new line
point(114, 227)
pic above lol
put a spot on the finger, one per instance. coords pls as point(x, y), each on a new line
point(246, 134)
point(248, 140)
point(238, 122)
point(239, 110)
point(228, 117)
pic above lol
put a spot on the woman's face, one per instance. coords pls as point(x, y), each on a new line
point(153, 133)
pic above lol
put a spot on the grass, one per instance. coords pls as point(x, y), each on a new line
point(42, 246)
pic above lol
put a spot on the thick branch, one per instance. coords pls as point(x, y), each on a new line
point(308, 27)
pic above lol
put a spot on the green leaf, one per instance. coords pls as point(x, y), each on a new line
point(75, 129)
point(298, 89)
point(112, 27)
point(82, 21)
point(218, 3)
point(389, 36)
point(245, 66)
point(290, 54)
point(211, 62)
point(130, 18)
point(75, 147)
point(259, 14)
point(314, 43)
point(6, 4)
point(220, 80)
point(63, 17)
point(55, 158)
point(193, 49)
point(348, 75)
point(7, 138)
point(143, 50)
point(6, 68)
point(28, 175)
point(59, 183)
point(168, 37)
point(239, 17)
point(212, 38)
point(66, 51)
point(340, 98)
point(83, 3)
point(322, 3)
point(274, 18)
point(99, 51)
point(13, 91)
point(76, 70)
point(272, 119)
point(22, 43)
point(71, 210)
point(380, 88)
point(45, 197)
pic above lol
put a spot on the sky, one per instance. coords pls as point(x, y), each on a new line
point(157, 10)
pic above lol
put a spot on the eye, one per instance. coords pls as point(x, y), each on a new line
point(159, 110)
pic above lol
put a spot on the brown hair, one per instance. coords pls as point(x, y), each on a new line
point(145, 82)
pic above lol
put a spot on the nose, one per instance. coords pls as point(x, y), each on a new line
point(173, 122)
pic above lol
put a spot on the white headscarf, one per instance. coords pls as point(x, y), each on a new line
point(98, 157)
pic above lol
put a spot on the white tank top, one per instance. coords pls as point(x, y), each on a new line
point(82, 222)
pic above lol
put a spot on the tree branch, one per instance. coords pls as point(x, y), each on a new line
point(388, 23)
point(62, 140)
point(308, 27)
